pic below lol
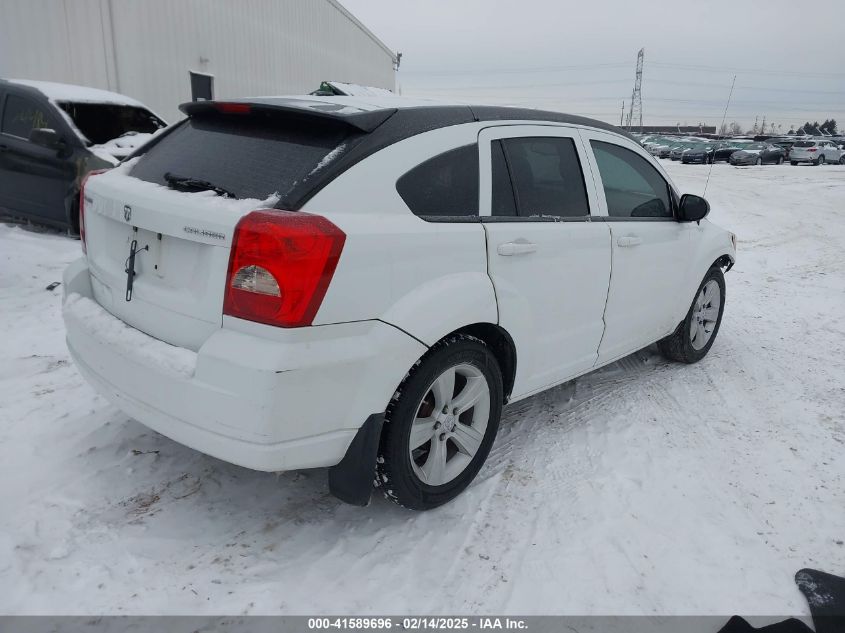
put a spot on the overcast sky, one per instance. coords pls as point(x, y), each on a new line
point(580, 57)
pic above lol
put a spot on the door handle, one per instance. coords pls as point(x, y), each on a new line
point(517, 247)
point(629, 240)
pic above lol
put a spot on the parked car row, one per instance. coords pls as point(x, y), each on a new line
point(739, 151)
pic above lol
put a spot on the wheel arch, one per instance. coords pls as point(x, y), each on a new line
point(501, 345)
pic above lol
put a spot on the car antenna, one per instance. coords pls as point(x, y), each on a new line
point(722, 127)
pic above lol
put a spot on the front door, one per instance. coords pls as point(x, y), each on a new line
point(649, 262)
point(549, 261)
point(34, 180)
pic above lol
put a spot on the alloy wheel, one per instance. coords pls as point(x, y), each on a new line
point(705, 314)
point(450, 424)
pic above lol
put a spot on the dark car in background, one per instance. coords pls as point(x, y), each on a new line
point(700, 153)
point(678, 150)
point(785, 142)
point(758, 154)
point(52, 135)
point(727, 148)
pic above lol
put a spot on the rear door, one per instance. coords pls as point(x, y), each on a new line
point(548, 259)
point(34, 180)
point(184, 233)
point(650, 249)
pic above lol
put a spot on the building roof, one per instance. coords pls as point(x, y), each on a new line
point(363, 28)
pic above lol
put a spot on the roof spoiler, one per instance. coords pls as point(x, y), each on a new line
point(361, 120)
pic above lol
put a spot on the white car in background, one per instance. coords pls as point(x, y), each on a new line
point(363, 283)
point(816, 151)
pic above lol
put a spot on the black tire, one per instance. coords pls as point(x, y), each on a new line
point(793, 163)
point(678, 346)
point(394, 470)
point(842, 159)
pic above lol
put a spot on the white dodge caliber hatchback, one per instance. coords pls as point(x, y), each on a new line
point(362, 284)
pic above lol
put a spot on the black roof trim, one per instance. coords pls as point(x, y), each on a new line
point(361, 120)
point(410, 121)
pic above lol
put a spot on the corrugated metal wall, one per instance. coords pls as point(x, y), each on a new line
point(145, 48)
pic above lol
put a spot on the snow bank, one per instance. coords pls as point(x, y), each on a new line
point(128, 341)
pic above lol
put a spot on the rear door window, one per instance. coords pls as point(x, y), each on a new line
point(445, 185)
point(249, 156)
point(547, 177)
point(22, 115)
point(632, 187)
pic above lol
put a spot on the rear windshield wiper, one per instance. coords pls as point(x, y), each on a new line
point(186, 183)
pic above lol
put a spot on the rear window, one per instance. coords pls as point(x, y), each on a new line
point(248, 156)
point(445, 185)
point(102, 122)
point(805, 143)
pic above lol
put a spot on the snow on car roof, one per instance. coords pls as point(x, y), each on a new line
point(356, 90)
point(76, 94)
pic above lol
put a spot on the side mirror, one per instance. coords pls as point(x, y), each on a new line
point(692, 208)
point(45, 137)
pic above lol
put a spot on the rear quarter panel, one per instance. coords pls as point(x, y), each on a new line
point(427, 278)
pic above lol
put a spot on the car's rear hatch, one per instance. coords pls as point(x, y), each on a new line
point(183, 233)
point(801, 150)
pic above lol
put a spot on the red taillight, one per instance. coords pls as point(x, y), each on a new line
point(812, 149)
point(233, 108)
point(82, 206)
point(280, 267)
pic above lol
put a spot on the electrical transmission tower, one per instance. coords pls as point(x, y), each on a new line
point(635, 113)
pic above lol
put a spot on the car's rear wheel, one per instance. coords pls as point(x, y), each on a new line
point(819, 160)
point(842, 159)
point(440, 424)
point(694, 336)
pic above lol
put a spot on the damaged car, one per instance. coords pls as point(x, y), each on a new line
point(52, 135)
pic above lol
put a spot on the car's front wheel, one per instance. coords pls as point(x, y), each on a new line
point(780, 160)
point(759, 161)
point(694, 336)
point(440, 424)
point(842, 159)
point(820, 160)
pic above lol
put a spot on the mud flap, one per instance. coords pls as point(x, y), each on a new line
point(352, 479)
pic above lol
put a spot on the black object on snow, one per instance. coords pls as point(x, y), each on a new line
point(825, 593)
point(738, 625)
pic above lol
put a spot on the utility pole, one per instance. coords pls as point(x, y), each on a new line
point(635, 113)
point(622, 116)
point(763, 127)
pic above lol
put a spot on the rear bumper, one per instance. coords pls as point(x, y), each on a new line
point(264, 398)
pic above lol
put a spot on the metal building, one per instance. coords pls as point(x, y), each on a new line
point(154, 50)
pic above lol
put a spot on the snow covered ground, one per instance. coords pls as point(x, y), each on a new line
point(645, 488)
